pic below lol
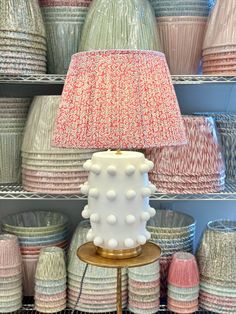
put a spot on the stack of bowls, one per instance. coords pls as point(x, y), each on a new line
point(10, 274)
point(22, 38)
point(195, 168)
point(98, 294)
point(181, 26)
point(144, 288)
point(174, 232)
point(226, 125)
point(217, 263)
point(183, 284)
point(219, 47)
point(47, 169)
point(35, 230)
point(64, 20)
point(50, 281)
point(13, 113)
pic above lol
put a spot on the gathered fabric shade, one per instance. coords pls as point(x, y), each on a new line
point(144, 288)
point(219, 46)
point(63, 23)
point(118, 99)
point(182, 38)
point(47, 169)
point(22, 38)
point(99, 284)
point(50, 280)
point(221, 33)
point(181, 25)
point(217, 262)
point(120, 24)
point(174, 232)
point(35, 230)
point(197, 167)
point(183, 284)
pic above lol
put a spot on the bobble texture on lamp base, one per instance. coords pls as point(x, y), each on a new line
point(119, 254)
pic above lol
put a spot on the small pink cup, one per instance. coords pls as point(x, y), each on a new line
point(183, 271)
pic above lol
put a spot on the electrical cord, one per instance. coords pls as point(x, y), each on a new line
point(80, 288)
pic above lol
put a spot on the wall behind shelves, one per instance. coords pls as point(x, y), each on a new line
point(206, 97)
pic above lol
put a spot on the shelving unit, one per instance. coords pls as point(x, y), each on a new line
point(31, 85)
point(52, 84)
point(18, 193)
point(29, 309)
point(59, 79)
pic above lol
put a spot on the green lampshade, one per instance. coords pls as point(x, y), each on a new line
point(120, 24)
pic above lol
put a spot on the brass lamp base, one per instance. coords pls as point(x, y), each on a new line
point(119, 254)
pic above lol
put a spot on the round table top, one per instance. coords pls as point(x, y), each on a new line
point(151, 252)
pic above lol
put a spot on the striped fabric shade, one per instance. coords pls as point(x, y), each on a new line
point(197, 167)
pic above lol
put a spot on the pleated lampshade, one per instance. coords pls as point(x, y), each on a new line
point(118, 99)
point(123, 24)
point(197, 167)
point(220, 35)
point(219, 47)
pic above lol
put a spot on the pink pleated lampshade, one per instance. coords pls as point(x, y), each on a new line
point(118, 99)
point(219, 45)
point(183, 271)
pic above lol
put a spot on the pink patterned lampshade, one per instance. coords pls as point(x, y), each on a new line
point(118, 99)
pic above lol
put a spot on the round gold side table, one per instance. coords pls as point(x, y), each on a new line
point(150, 253)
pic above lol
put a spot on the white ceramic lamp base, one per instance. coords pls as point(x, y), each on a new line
point(118, 192)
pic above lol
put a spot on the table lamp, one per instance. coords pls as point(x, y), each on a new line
point(120, 99)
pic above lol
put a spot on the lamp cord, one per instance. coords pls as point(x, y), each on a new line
point(80, 288)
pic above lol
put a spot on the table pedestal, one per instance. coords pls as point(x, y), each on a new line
point(150, 253)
